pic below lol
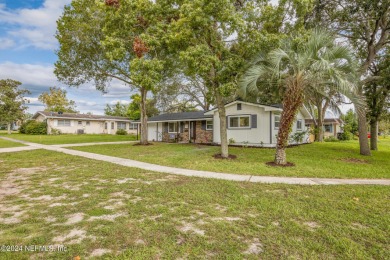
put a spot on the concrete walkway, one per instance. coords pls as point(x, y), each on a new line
point(205, 174)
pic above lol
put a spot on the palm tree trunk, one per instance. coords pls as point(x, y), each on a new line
point(374, 134)
point(9, 128)
point(144, 118)
point(362, 128)
point(222, 125)
point(292, 100)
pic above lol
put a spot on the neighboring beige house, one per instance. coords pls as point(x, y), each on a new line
point(332, 126)
point(72, 123)
point(247, 124)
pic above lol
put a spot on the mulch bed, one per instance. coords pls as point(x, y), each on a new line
point(143, 144)
point(231, 157)
point(273, 164)
point(354, 160)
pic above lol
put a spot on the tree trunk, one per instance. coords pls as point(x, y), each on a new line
point(222, 125)
point(292, 100)
point(320, 123)
point(9, 128)
point(374, 134)
point(144, 118)
point(362, 128)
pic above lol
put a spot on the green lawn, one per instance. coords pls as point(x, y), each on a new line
point(7, 144)
point(71, 139)
point(328, 160)
point(93, 208)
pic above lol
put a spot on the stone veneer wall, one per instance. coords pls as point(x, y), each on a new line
point(203, 136)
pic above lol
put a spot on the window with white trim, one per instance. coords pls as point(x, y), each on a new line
point(65, 122)
point(172, 127)
point(328, 128)
point(132, 126)
point(105, 125)
point(112, 125)
point(80, 123)
point(239, 121)
point(299, 124)
point(88, 123)
point(121, 125)
point(276, 121)
point(209, 125)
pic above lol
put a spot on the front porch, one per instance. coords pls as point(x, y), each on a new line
point(186, 131)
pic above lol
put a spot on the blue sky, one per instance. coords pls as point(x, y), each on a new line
point(27, 54)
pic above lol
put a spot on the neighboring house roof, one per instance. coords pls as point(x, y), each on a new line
point(197, 115)
point(266, 107)
point(326, 121)
point(80, 116)
point(274, 107)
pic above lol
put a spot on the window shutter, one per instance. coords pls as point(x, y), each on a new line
point(165, 128)
point(227, 122)
point(203, 125)
point(254, 121)
point(181, 127)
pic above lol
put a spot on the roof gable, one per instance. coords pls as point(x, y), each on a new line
point(48, 114)
point(196, 115)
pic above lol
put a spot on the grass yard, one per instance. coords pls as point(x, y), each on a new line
point(327, 160)
point(7, 144)
point(101, 209)
point(71, 139)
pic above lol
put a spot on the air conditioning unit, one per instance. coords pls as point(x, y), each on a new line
point(80, 131)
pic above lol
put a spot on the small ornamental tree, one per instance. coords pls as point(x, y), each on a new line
point(12, 102)
point(293, 69)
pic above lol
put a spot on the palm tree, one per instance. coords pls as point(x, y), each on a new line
point(297, 68)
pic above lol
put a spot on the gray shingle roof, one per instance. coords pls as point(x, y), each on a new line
point(179, 116)
point(81, 116)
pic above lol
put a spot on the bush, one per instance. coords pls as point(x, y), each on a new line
point(55, 131)
point(35, 128)
point(344, 136)
point(121, 132)
point(331, 139)
point(298, 137)
point(22, 128)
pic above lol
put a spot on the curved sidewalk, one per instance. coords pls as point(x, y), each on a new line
point(205, 174)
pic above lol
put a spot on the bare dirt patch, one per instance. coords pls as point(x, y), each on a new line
point(77, 235)
point(273, 164)
point(229, 219)
point(74, 218)
point(311, 225)
point(16, 181)
point(355, 160)
point(100, 252)
point(106, 217)
point(230, 157)
point(255, 247)
point(190, 228)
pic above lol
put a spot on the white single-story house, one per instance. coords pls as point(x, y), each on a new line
point(72, 123)
point(249, 124)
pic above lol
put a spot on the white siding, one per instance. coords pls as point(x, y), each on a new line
point(258, 135)
point(263, 135)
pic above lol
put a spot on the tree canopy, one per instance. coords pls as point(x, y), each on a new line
point(12, 101)
point(55, 100)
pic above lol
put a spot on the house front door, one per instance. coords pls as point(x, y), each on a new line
point(193, 131)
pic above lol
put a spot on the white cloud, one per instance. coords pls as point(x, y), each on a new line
point(125, 102)
point(34, 27)
point(6, 43)
point(29, 74)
